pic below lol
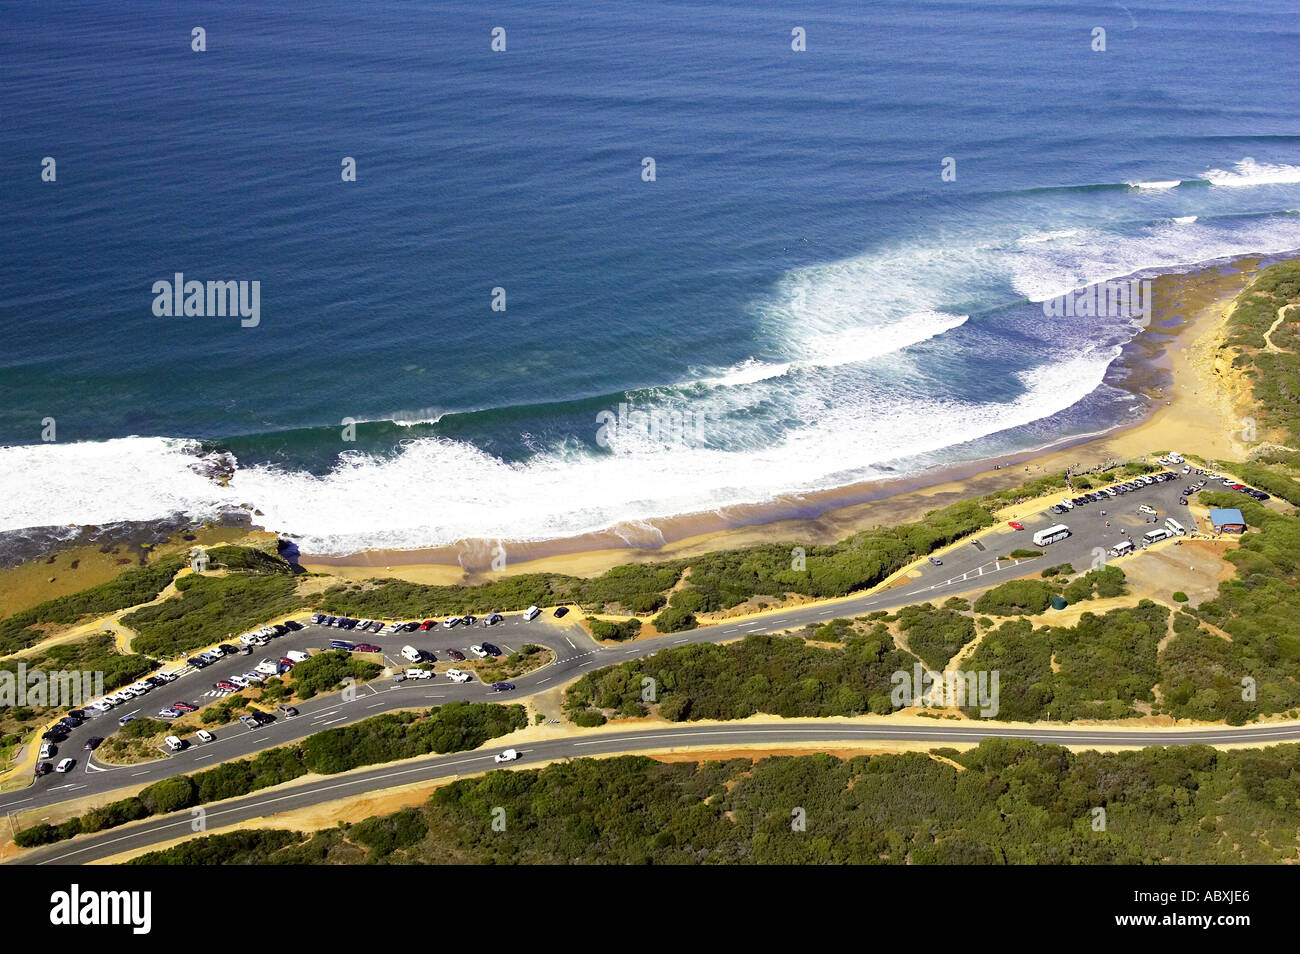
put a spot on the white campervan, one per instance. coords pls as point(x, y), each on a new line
point(532, 613)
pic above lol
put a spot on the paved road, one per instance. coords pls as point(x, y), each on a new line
point(967, 566)
point(480, 760)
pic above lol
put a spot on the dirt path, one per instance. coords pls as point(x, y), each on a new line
point(1268, 335)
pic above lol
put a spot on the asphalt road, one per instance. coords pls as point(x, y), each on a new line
point(966, 566)
point(469, 763)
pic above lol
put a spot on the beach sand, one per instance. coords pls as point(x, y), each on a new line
point(1198, 406)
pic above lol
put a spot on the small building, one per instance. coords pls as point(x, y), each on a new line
point(1228, 520)
point(198, 560)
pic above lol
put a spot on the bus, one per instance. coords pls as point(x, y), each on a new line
point(1154, 536)
point(1121, 548)
point(1052, 534)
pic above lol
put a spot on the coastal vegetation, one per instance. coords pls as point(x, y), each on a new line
point(1270, 358)
point(134, 586)
point(615, 630)
point(935, 634)
point(256, 587)
point(780, 675)
point(1004, 802)
point(93, 654)
point(454, 727)
point(1103, 667)
point(717, 581)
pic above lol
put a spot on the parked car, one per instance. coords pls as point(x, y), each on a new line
point(44, 768)
point(561, 612)
point(936, 561)
point(492, 619)
point(292, 625)
point(227, 649)
point(478, 651)
point(456, 654)
point(297, 656)
point(509, 755)
point(451, 622)
point(48, 750)
point(225, 685)
point(456, 675)
point(175, 743)
point(249, 722)
point(65, 766)
point(491, 650)
point(342, 644)
point(204, 736)
point(169, 713)
point(289, 711)
point(367, 648)
point(419, 674)
point(469, 620)
point(1015, 525)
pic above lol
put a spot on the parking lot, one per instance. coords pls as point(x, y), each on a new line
point(196, 686)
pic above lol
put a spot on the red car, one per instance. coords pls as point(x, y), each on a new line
point(428, 624)
point(360, 648)
point(1015, 525)
point(228, 686)
point(456, 654)
point(184, 707)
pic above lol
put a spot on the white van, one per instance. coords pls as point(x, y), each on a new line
point(532, 613)
point(418, 674)
point(297, 655)
point(457, 675)
point(248, 639)
point(174, 743)
point(411, 653)
point(1121, 548)
point(1155, 536)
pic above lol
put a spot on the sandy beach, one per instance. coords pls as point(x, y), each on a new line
point(1197, 406)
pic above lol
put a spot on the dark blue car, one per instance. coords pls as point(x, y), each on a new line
point(341, 644)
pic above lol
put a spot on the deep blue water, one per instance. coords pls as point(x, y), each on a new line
point(798, 281)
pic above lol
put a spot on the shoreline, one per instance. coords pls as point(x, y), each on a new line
point(1194, 406)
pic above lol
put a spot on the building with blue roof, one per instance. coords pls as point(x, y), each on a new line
point(1228, 520)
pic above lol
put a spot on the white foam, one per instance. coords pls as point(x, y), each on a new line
point(1160, 186)
point(1055, 268)
point(749, 371)
point(1247, 172)
point(132, 478)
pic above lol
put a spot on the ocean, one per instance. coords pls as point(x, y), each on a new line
point(502, 329)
